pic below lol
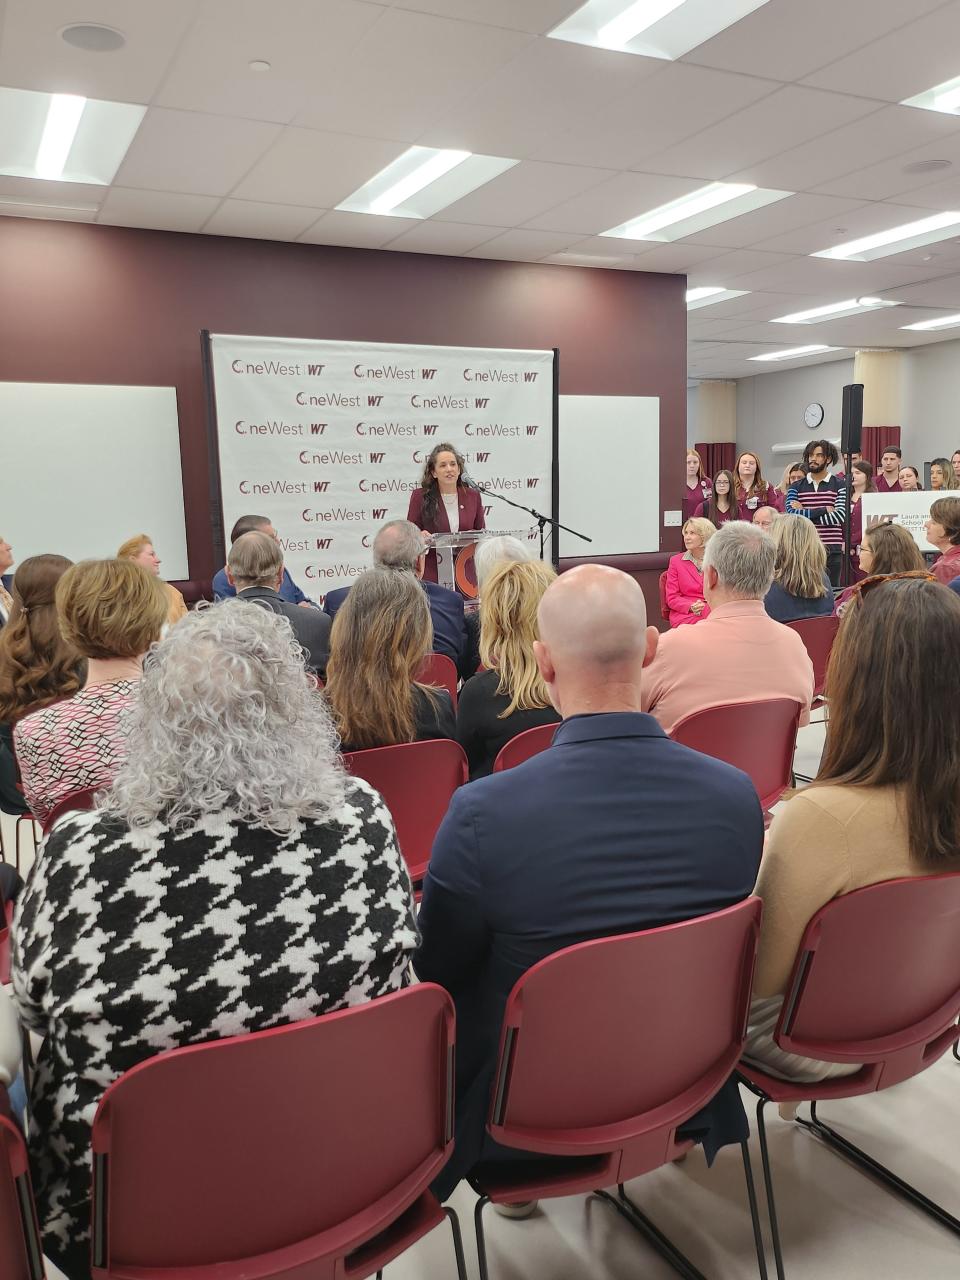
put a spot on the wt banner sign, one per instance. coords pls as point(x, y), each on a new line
point(329, 439)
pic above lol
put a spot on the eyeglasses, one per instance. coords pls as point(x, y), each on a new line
point(866, 585)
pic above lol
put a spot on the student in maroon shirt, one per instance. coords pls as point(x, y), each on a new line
point(888, 478)
point(722, 503)
point(752, 490)
point(910, 480)
point(696, 489)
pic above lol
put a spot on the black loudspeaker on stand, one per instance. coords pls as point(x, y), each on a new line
point(851, 433)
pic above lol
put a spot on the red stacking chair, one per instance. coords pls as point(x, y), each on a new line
point(607, 1048)
point(6, 920)
point(441, 671)
point(76, 802)
point(664, 607)
point(305, 1152)
point(876, 982)
point(762, 746)
point(529, 743)
point(21, 1251)
point(818, 635)
point(416, 779)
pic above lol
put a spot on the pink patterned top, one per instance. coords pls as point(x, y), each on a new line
point(73, 744)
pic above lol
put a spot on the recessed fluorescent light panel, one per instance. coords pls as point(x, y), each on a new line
point(912, 235)
point(835, 311)
point(943, 322)
point(654, 28)
point(794, 353)
point(706, 207)
point(943, 97)
point(708, 294)
point(63, 138)
point(423, 181)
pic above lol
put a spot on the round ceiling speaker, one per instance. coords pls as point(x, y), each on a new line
point(93, 37)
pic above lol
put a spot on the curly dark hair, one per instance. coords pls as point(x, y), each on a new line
point(428, 481)
point(37, 666)
point(830, 452)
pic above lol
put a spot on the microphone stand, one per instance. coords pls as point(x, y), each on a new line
point(846, 568)
point(542, 520)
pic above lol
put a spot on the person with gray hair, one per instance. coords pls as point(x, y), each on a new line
point(491, 552)
point(233, 879)
point(255, 571)
point(739, 653)
point(398, 545)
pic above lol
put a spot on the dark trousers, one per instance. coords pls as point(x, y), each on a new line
point(834, 562)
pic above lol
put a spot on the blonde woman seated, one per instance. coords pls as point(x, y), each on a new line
point(684, 585)
point(885, 803)
point(801, 587)
point(510, 696)
point(380, 637)
point(140, 549)
point(110, 612)
point(885, 549)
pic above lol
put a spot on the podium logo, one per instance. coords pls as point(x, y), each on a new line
point(430, 428)
point(532, 430)
point(528, 375)
point(428, 374)
point(481, 402)
point(486, 511)
point(377, 457)
point(374, 402)
point(482, 457)
point(318, 428)
point(324, 544)
point(314, 370)
point(321, 486)
point(532, 483)
point(379, 513)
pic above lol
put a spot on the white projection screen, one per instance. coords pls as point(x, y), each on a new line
point(610, 474)
point(89, 466)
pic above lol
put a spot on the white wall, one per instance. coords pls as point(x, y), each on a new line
point(931, 403)
point(770, 410)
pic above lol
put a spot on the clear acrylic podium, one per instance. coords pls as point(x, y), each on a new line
point(455, 553)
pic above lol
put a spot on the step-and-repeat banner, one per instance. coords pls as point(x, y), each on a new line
point(329, 439)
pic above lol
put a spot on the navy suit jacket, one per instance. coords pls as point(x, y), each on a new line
point(602, 834)
point(446, 611)
point(289, 591)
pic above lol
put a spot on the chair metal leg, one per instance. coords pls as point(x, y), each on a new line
point(651, 1233)
point(457, 1241)
point(884, 1175)
point(481, 1243)
point(754, 1212)
point(768, 1188)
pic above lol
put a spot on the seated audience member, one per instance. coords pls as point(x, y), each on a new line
point(800, 587)
point(37, 667)
point(955, 585)
point(684, 585)
point(6, 580)
point(885, 803)
point(398, 545)
point(491, 552)
point(140, 550)
point(289, 590)
point(722, 504)
point(509, 696)
point(255, 571)
point(765, 518)
point(862, 481)
point(910, 480)
point(752, 491)
point(595, 837)
point(792, 475)
point(956, 465)
point(943, 532)
point(888, 477)
point(885, 549)
point(696, 489)
point(214, 826)
point(942, 475)
point(111, 612)
point(380, 638)
point(739, 654)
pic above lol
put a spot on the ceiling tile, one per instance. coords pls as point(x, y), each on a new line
point(749, 229)
point(261, 221)
point(612, 202)
point(303, 40)
point(452, 238)
point(890, 179)
point(680, 256)
point(316, 169)
point(33, 56)
point(728, 268)
point(359, 230)
point(161, 210)
point(535, 16)
point(524, 191)
point(807, 276)
point(783, 119)
point(932, 293)
point(852, 223)
point(188, 152)
point(409, 70)
point(36, 191)
point(523, 246)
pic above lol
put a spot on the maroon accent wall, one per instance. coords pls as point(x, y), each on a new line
point(95, 304)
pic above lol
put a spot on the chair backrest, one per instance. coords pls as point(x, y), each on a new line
point(276, 1153)
point(758, 737)
point(608, 1046)
point(818, 635)
point(441, 671)
point(877, 979)
point(529, 743)
point(21, 1253)
point(416, 779)
point(75, 802)
point(664, 607)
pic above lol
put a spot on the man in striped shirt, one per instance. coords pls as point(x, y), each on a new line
point(822, 498)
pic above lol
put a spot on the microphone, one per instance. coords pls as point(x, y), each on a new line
point(471, 484)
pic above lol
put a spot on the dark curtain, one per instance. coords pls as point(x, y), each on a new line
point(718, 457)
point(875, 440)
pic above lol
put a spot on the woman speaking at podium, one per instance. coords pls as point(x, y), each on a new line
point(444, 503)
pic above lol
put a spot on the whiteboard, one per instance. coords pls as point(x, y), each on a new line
point(90, 466)
point(609, 451)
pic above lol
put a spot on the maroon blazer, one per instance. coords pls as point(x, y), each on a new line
point(471, 517)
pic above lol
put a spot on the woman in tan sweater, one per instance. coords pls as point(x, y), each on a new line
point(886, 802)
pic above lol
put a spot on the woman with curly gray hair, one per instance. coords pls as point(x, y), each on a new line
point(232, 879)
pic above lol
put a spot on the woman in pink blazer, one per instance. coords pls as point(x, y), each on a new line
point(443, 503)
point(684, 585)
